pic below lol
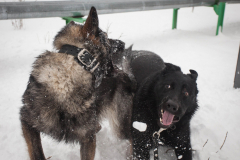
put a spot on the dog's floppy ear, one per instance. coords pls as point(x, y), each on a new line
point(170, 68)
point(193, 74)
point(91, 24)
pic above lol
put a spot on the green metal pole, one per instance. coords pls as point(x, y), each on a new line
point(175, 13)
point(69, 19)
point(219, 10)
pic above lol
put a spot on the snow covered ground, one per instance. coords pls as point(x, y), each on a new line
point(192, 46)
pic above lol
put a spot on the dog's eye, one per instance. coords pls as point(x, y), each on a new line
point(168, 86)
point(186, 94)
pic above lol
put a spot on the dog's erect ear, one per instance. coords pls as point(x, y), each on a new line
point(128, 52)
point(130, 48)
point(91, 24)
point(193, 74)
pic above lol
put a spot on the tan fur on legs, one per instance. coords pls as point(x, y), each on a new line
point(33, 141)
point(129, 153)
point(88, 147)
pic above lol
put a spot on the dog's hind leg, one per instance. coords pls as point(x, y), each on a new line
point(88, 147)
point(33, 140)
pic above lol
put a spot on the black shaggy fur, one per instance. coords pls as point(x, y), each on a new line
point(162, 87)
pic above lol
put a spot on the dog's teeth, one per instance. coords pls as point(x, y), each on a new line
point(161, 111)
point(161, 120)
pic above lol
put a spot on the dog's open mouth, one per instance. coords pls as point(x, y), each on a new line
point(167, 118)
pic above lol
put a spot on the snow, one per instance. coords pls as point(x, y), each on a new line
point(192, 46)
point(140, 126)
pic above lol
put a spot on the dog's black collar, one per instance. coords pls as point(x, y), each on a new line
point(85, 59)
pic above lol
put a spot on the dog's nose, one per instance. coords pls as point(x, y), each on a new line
point(172, 106)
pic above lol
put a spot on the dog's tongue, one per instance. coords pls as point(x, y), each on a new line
point(167, 118)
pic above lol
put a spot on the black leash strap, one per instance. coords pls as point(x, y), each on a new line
point(155, 145)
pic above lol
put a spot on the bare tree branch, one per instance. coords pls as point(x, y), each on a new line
point(205, 143)
point(224, 141)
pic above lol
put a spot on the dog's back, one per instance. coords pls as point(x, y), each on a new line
point(144, 63)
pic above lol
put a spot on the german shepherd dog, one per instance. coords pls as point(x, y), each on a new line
point(71, 90)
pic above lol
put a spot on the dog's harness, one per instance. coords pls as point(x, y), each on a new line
point(85, 59)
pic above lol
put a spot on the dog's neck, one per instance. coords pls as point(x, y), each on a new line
point(86, 60)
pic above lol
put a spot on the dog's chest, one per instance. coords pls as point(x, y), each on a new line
point(65, 81)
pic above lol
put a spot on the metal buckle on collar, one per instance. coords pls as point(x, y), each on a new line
point(87, 60)
point(83, 53)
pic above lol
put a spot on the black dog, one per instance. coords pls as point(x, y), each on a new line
point(165, 98)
